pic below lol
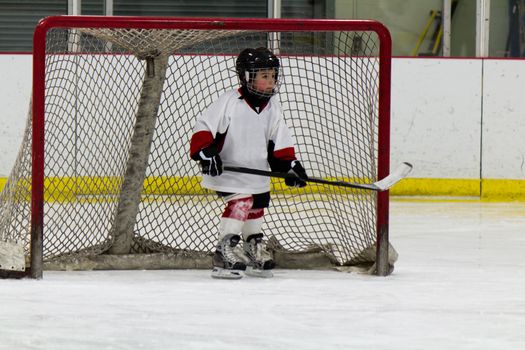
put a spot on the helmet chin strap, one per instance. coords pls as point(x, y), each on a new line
point(258, 94)
point(254, 99)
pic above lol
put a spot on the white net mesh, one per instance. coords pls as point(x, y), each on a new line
point(94, 79)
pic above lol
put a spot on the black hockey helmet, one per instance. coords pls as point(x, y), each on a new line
point(250, 60)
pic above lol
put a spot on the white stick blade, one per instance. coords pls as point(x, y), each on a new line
point(401, 172)
point(12, 256)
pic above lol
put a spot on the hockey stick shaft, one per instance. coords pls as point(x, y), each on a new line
point(399, 173)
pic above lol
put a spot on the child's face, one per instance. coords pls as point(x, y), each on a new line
point(264, 81)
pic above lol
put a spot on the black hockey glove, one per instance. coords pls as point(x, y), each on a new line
point(211, 163)
point(296, 175)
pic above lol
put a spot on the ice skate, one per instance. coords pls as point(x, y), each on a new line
point(261, 262)
point(227, 264)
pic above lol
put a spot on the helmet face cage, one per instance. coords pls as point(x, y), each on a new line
point(250, 62)
point(250, 82)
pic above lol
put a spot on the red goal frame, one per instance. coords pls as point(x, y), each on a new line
point(38, 100)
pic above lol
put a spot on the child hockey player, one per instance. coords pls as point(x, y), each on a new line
point(244, 128)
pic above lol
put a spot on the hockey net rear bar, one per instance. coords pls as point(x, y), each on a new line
point(103, 178)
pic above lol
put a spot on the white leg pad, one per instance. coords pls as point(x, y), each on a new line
point(229, 226)
point(251, 227)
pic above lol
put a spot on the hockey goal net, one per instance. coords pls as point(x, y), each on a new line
point(103, 178)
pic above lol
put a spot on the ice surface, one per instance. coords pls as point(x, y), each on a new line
point(459, 284)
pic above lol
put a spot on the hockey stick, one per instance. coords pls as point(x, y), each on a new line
point(382, 185)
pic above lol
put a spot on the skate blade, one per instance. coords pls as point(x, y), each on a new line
point(250, 271)
point(224, 274)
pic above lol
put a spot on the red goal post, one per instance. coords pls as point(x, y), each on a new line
point(160, 23)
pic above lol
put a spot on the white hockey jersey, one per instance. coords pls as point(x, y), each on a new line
point(245, 135)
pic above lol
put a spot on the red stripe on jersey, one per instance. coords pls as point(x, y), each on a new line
point(285, 154)
point(200, 140)
point(255, 214)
